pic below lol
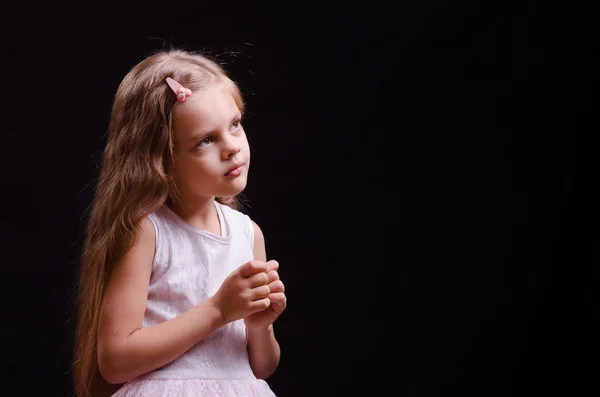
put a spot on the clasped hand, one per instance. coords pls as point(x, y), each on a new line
point(253, 292)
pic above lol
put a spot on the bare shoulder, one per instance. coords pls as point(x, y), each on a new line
point(147, 234)
point(259, 243)
point(258, 233)
point(137, 262)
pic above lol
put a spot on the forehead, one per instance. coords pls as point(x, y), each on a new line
point(206, 110)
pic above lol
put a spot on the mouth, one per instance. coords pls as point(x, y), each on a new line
point(235, 170)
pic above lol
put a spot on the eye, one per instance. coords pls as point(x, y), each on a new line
point(236, 125)
point(205, 142)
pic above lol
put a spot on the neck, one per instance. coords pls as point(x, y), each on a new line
point(198, 212)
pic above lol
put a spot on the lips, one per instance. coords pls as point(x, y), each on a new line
point(234, 168)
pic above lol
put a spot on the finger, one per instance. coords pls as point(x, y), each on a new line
point(257, 280)
point(273, 265)
point(260, 304)
point(278, 298)
point(276, 286)
point(250, 268)
point(272, 275)
point(260, 292)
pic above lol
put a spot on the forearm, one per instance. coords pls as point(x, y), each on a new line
point(263, 352)
point(150, 348)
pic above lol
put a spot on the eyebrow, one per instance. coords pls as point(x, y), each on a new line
point(196, 136)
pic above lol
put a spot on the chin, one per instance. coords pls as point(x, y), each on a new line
point(234, 189)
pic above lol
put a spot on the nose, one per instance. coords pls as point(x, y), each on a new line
point(231, 148)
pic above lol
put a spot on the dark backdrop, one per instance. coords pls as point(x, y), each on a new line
point(425, 175)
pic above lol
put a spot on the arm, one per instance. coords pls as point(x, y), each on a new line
point(125, 349)
point(263, 348)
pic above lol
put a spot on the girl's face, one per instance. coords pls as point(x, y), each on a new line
point(212, 155)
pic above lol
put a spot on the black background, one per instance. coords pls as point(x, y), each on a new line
point(424, 173)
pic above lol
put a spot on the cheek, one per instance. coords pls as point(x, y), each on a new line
point(246, 148)
point(204, 167)
point(188, 168)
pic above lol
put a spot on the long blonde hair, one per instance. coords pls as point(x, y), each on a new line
point(135, 179)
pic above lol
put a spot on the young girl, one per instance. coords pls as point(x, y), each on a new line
point(176, 296)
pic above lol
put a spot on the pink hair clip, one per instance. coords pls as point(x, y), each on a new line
point(179, 90)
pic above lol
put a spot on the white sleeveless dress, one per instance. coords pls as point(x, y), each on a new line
point(189, 266)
